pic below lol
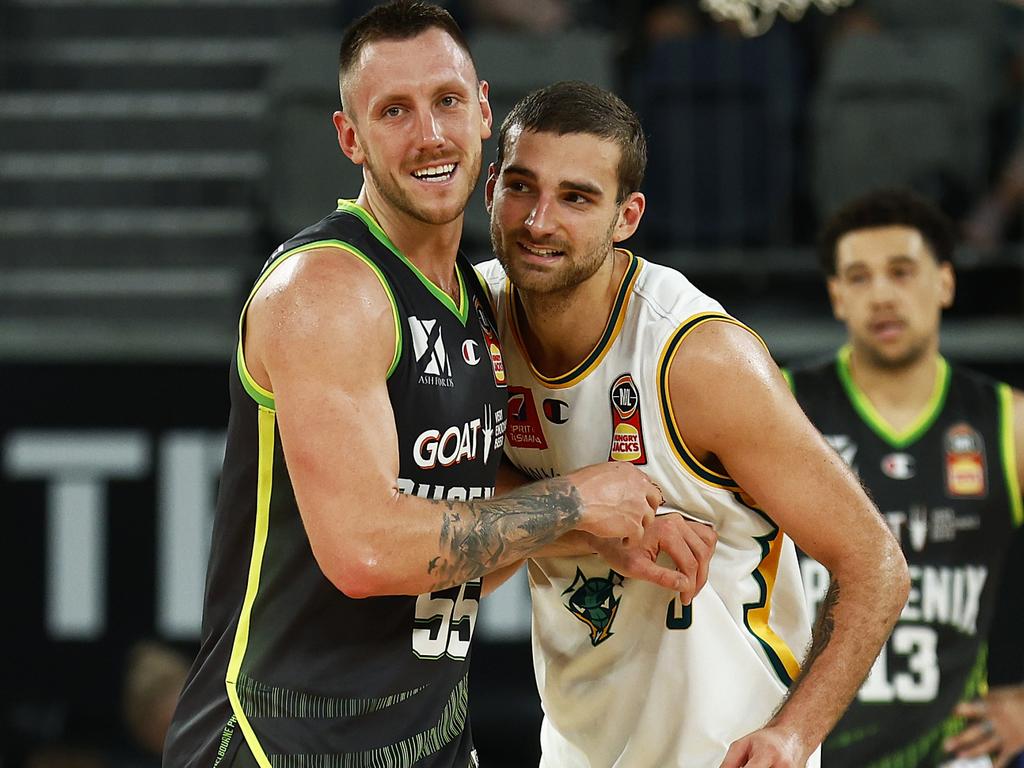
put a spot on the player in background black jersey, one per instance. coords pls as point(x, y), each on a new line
point(355, 517)
point(941, 449)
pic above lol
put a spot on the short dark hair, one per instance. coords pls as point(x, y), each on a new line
point(573, 106)
point(396, 20)
point(886, 208)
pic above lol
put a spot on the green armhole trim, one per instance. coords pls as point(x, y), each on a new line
point(1009, 453)
point(461, 312)
point(871, 417)
point(265, 397)
point(788, 376)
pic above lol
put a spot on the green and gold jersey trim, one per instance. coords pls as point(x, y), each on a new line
point(757, 613)
point(265, 397)
point(461, 312)
point(1009, 452)
point(608, 336)
point(689, 462)
point(897, 438)
point(266, 429)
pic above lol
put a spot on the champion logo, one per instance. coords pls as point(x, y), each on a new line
point(556, 411)
point(898, 466)
point(470, 352)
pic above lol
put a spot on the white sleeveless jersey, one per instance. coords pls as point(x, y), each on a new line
point(627, 676)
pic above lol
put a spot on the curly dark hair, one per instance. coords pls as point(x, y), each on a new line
point(884, 208)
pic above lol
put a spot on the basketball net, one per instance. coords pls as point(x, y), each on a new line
point(754, 17)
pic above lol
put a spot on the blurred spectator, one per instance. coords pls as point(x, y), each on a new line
point(154, 675)
point(1001, 207)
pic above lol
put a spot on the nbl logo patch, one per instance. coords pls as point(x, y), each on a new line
point(965, 461)
point(432, 364)
point(627, 428)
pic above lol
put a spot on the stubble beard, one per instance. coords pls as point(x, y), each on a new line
point(401, 200)
point(552, 283)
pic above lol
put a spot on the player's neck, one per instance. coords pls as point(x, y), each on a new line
point(561, 329)
point(899, 394)
point(431, 247)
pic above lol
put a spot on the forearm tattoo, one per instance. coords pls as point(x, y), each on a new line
point(478, 536)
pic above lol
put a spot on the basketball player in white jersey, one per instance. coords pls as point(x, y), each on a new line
point(612, 357)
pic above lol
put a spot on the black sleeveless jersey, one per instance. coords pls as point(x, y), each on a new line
point(948, 488)
point(306, 675)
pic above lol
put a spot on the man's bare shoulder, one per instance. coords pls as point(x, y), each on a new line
point(321, 302)
point(722, 352)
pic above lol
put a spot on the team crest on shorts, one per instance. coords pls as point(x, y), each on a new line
point(627, 429)
point(593, 601)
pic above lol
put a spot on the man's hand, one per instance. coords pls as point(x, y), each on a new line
point(689, 543)
point(770, 747)
point(995, 726)
point(618, 500)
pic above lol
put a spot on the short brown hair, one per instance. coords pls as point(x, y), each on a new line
point(397, 20)
point(573, 106)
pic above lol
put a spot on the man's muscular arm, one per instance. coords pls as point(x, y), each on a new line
point(736, 413)
point(320, 334)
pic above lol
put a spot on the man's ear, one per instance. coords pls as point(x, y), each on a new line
point(485, 110)
point(348, 140)
point(630, 213)
point(947, 284)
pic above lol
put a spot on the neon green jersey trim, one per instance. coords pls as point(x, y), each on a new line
point(896, 438)
point(265, 397)
point(788, 376)
point(461, 312)
point(1009, 453)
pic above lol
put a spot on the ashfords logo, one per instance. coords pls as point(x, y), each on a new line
point(462, 442)
point(432, 364)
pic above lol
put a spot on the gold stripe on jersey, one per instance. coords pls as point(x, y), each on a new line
point(668, 417)
point(1009, 453)
point(264, 486)
point(597, 354)
point(897, 438)
point(265, 397)
point(757, 614)
point(461, 312)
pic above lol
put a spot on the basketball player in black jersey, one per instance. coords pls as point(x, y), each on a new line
point(355, 517)
point(941, 449)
